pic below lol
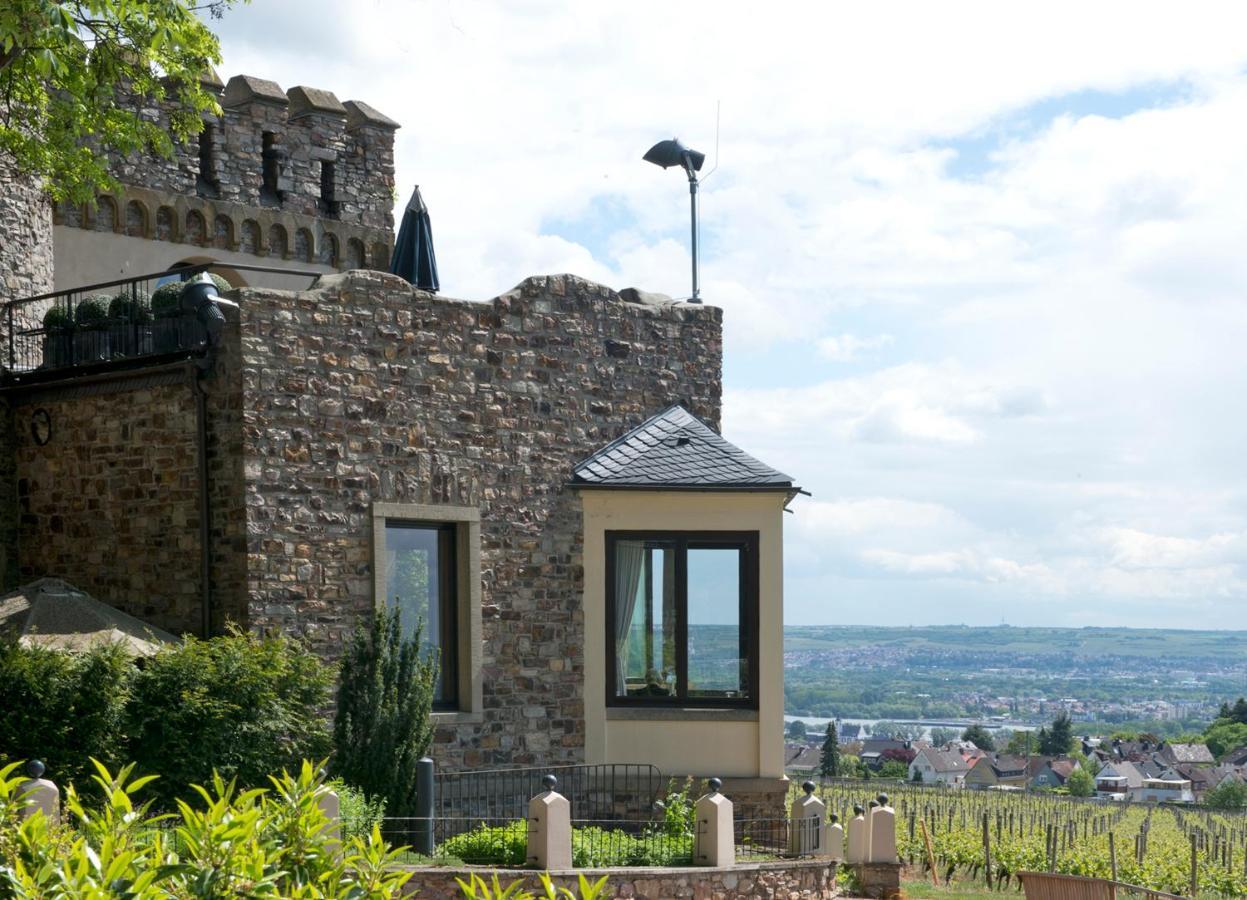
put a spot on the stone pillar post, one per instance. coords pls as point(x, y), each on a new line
point(807, 824)
point(550, 829)
point(40, 794)
point(331, 806)
point(714, 843)
point(859, 837)
point(883, 833)
point(835, 839)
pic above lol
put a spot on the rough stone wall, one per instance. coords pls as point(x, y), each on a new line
point(25, 239)
point(367, 390)
point(791, 880)
point(226, 484)
point(110, 503)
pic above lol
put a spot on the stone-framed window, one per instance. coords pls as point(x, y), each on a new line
point(427, 561)
point(207, 181)
point(682, 619)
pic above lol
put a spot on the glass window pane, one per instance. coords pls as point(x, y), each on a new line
point(413, 582)
point(645, 623)
point(718, 664)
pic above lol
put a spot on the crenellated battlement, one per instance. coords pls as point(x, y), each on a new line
point(288, 174)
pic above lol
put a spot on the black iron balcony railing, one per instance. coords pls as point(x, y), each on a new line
point(135, 320)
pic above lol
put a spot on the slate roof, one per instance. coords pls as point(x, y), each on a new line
point(675, 449)
point(1190, 753)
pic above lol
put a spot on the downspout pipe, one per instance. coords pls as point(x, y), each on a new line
point(194, 374)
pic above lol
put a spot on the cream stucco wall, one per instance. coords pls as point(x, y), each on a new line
point(726, 743)
point(84, 257)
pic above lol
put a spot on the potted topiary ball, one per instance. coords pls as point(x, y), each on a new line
point(166, 312)
point(91, 329)
point(58, 337)
point(130, 325)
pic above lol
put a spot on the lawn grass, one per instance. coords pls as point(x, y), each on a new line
point(925, 890)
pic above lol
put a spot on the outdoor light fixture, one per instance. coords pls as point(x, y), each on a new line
point(673, 153)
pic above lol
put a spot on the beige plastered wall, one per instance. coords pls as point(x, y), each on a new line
point(88, 257)
point(700, 742)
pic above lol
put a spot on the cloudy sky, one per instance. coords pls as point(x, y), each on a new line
point(982, 267)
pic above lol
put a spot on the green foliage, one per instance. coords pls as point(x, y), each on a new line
point(495, 845)
point(829, 764)
point(239, 704)
point(1222, 737)
point(894, 768)
point(477, 888)
point(980, 737)
point(165, 299)
point(57, 317)
point(796, 730)
point(226, 843)
point(385, 696)
point(1227, 795)
point(77, 75)
point(592, 847)
point(1022, 743)
point(91, 312)
point(941, 736)
point(130, 308)
point(1236, 712)
point(63, 708)
point(1080, 783)
point(1059, 740)
point(359, 814)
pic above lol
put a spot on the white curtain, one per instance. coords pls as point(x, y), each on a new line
point(629, 559)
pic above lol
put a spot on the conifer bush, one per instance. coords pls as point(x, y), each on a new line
point(385, 696)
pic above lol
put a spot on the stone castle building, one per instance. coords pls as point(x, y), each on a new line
point(546, 463)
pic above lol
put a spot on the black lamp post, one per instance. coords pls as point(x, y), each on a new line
point(673, 153)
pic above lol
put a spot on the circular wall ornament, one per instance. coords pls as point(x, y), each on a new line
point(41, 426)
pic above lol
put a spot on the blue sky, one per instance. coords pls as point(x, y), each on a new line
point(981, 267)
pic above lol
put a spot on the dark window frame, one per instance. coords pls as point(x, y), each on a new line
point(447, 603)
point(750, 613)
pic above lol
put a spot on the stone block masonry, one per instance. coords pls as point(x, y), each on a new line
point(366, 390)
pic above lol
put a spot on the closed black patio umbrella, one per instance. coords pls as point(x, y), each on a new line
point(413, 251)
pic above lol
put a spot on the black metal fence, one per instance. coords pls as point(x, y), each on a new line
point(108, 323)
point(618, 792)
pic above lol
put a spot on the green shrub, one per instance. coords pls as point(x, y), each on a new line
point(131, 308)
point(63, 708)
point(91, 312)
point(227, 843)
point(500, 845)
point(359, 814)
point(57, 317)
point(239, 704)
point(382, 728)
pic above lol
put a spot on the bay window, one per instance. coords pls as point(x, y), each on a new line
point(682, 618)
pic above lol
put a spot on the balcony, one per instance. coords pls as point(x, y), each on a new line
point(136, 321)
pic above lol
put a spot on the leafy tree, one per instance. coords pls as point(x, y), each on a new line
point(894, 768)
point(829, 763)
point(77, 75)
point(796, 730)
point(1021, 743)
point(1080, 783)
point(385, 695)
point(980, 737)
point(1227, 795)
point(1236, 712)
point(240, 705)
point(1060, 739)
point(941, 736)
point(1225, 735)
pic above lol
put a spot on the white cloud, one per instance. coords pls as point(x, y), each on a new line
point(1000, 381)
point(847, 347)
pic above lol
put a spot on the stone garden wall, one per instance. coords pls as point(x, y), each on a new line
point(366, 390)
point(791, 880)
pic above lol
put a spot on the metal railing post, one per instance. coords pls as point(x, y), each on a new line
point(424, 807)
